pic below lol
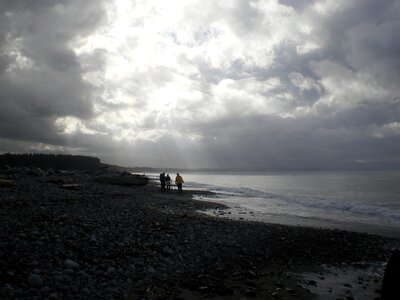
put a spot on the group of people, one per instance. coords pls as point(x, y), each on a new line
point(165, 181)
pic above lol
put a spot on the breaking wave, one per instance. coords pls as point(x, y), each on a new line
point(336, 206)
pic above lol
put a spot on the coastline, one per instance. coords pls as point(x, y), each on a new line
point(94, 241)
point(239, 213)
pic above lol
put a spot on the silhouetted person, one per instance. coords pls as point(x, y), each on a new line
point(179, 181)
point(168, 182)
point(391, 278)
point(162, 181)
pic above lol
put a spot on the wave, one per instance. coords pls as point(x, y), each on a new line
point(336, 206)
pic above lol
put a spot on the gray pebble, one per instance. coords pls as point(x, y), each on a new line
point(70, 264)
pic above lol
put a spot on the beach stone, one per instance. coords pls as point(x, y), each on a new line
point(9, 288)
point(69, 271)
point(56, 180)
point(391, 277)
point(6, 183)
point(71, 186)
point(224, 291)
point(151, 270)
point(45, 290)
point(51, 172)
point(36, 172)
point(83, 274)
point(250, 293)
point(167, 251)
point(35, 280)
point(312, 282)
point(70, 264)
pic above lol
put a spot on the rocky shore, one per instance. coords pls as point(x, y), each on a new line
point(69, 235)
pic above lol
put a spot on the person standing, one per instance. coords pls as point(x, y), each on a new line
point(179, 181)
point(168, 182)
point(162, 181)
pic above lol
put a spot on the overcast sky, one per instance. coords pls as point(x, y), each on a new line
point(288, 84)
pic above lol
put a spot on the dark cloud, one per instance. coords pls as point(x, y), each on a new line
point(41, 76)
point(316, 88)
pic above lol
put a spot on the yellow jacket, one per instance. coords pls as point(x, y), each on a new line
point(179, 179)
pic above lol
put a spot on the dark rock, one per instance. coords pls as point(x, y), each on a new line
point(45, 290)
point(71, 186)
point(56, 180)
point(250, 293)
point(224, 291)
point(132, 180)
point(36, 172)
point(391, 278)
point(66, 172)
point(35, 280)
point(50, 172)
point(312, 282)
point(167, 251)
point(6, 183)
point(70, 264)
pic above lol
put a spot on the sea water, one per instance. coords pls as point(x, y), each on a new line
point(369, 200)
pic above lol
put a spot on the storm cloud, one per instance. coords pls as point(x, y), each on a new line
point(219, 84)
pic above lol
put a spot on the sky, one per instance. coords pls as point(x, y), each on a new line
point(268, 84)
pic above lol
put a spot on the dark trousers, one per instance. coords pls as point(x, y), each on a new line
point(162, 186)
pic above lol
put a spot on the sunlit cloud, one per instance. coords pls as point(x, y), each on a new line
point(194, 83)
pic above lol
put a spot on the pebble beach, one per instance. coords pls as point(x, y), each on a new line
point(68, 235)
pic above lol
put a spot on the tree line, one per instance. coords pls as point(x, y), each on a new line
point(46, 161)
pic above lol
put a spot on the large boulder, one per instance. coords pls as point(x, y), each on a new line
point(36, 172)
point(391, 278)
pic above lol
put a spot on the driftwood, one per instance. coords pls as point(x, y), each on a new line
point(71, 186)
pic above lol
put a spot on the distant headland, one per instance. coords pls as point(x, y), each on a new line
point(45, 161)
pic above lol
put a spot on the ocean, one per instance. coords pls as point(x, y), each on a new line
point(361, 201)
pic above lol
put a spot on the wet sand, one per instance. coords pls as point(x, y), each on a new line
point(240, 213)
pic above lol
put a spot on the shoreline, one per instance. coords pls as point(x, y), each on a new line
point(236, 212)
point(70, 236)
